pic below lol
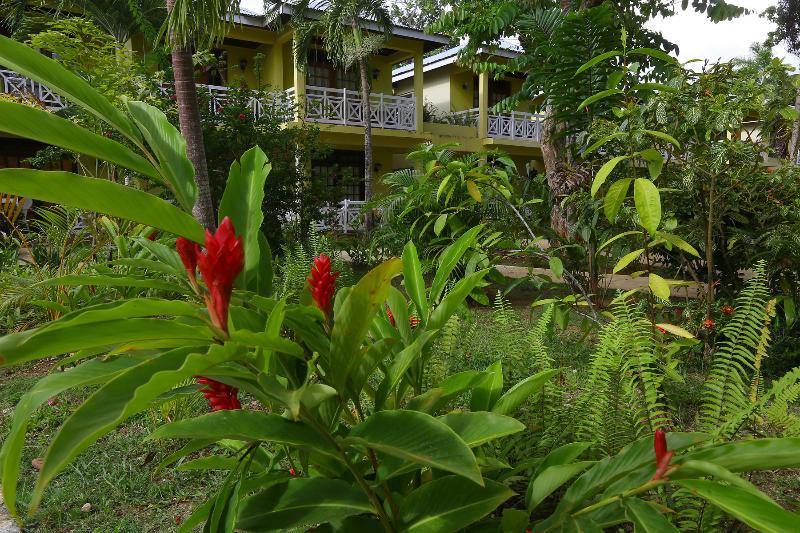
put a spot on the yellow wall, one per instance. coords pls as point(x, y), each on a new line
point(462, 89)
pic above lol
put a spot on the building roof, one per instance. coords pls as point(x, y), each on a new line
point(448, 57)
point(263, 12)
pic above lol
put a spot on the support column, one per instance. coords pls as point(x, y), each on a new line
point(419, 93)
point(483, 105)
point(275, 72)
point(299, 89)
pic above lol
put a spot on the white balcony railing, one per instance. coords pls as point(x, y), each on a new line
point(343, 106)
point(346, 217)
point(23, 87)
point(276, 103)
point(516, 125)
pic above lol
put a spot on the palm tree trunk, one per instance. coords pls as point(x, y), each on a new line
point(367, 114)
point(192, 129)
point(795, 130)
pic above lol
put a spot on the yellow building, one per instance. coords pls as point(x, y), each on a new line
point(412, 68)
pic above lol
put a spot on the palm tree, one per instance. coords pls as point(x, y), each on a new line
point(343, 27)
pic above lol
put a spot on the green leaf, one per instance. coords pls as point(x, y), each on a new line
point(597, 59)
point(268, 341)
point(246, 426)
point(758, 512)
point(476, 428)
point(648, 204)
point(556, 266)
point(170, 149)
point(29, 62)
point(400, 364)
point(454, 299)
point(45, 342)
point(520, 392)
point(473, 191)
point(45, 127)
point(747, 455)
point(600, 142)
point(653, 52)
point(675, 330)
point(602, 174)
point(645, 517)
point(100, 280)
point(655, 161)
point(448, 504)
point(264, 276)
point(89, 373)
point(301, 503)
point(658, 286)
point(658, 87)
point(103, 196)
point(664, 136)
point(419, 438)
point(438, 226)
point(413, 280)
point(550, 479)
point(353, 318)
point(450, 258)
point(627, 259)
point(597, 97)
point(131, 308)
point(128, 393)
point(678, 242)
point(243, 202)
point(486, 394)
point(615, 197)
point(616, 238)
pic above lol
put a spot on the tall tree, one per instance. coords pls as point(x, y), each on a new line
point(343, 27)
point(786, 16)
point(418, 14)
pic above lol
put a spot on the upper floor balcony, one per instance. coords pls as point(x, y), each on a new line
point(513, 125)
point(18, 85)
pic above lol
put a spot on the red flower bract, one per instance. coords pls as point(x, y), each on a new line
point(663, 456)
point(242, 116)
point(322, 282)
point(219, 395)
point(221, 263)
point(727, 310)
point(708, 323)
point(660, 329)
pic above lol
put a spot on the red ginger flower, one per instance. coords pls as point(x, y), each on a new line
point(391, 317)
point(219, 395)
point(413, 321)
point(708, 323)
point(220, 265)
point(663, 457)
point(727, 310)
point(188, 251)
point(322, 282)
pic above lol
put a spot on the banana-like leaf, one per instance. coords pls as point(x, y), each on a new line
point(476, 428)
point(132, 308)
point(486, 394)
point(413, 280)
point(645, 517)
point(520, 392)
point(101, 280)
point(450, 258)
point(648, 204)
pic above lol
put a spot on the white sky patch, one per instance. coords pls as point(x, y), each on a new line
point(699, 38)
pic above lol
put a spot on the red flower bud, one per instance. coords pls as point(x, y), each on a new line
point(242, 116)
point(188, 251)
point(153, 235)
point(727, 310)
point(173, 97)
point(663, 456)
point(322, 283)
point(220, 265)
point(708, 323)
point(391, 317)
point(413, 321)
point(292, 472)
point(660, 329)
point(219, 395)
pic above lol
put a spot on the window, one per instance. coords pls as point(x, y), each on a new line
point(343, 169)
point(499, 90)
point(321, 73)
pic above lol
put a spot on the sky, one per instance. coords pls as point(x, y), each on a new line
point(698, 38)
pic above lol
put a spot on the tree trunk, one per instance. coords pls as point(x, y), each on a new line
point(795, 130)
point(366, 109)
point(192, 129)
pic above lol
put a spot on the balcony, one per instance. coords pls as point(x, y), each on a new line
point(275, 103)
point(514, 125)
point(23, 87)
point(343, 106)
point(344, 217)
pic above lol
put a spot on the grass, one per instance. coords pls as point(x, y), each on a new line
point(115, 476)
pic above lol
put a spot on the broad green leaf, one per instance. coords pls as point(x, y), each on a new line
point(450, 258)
point(758, 512)
point(597, 97)
point(243, 202)
point(246, 426)
point(103, 196)
point(645, 517)
point(473, 191)
point(615, 197)
point(550, 479)
point(268, 341)
point(658, 286)
point(45, 342)
point(301, 503)
point(265, 273)
point(449, 504)
point(556, 266)
point(105, 280)
point(597, 59)
point(413, 280)
point(131, 308)
point(602, 174)
point(419, 438)
point(747, 455)
point(170, 149)
point(655, 161)
point(653, 52)
point(39, 125)
point(664, 136)
point(476, 428)
point(89, 373)
point(678, 242)
point(675, 330)
point(438, 226)
point(519, 393)
point(454, 299)
point(616, 238)
point(486, 394)
point(658, 87)
point(648, 204)
point(353, 318)
point(399, 308)
point(128, 393)
point(400, 364)
point(29, 62)
point(210, 462)
point(600, 142)
point(627, 259)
